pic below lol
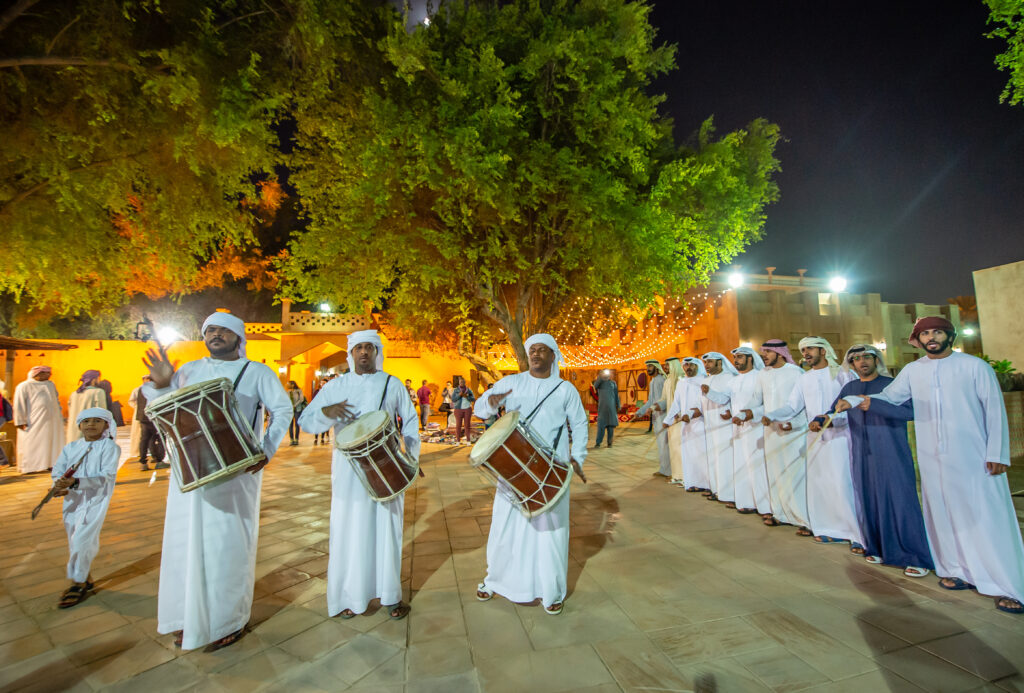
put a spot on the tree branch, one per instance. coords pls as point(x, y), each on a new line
point(53, 42)
point(14, 12)
point(61, 61)
point(238, 19)
point(20, 197)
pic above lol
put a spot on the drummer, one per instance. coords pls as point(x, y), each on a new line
point(366, 535)
point(208, 563)
point(528, 558)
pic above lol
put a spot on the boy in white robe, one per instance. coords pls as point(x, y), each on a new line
point(528, 558)
point(785, 442)
point(694, 447)
point(208, 562)
point(831, 507)
point(963, 451)
point(86, 495)
point(40, 421)
point(365, 561)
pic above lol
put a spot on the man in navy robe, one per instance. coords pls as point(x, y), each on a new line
point(885, 487)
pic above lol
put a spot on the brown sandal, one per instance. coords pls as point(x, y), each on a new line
point(804, 532)
point(179, 637)
point(226, 640)
point(73, 595)
point(397, 612)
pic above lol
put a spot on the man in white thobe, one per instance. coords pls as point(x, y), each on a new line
point(89, 395)
point(684, 412)
point(208, 563)
point(962, 453)
point(656, 406)
point(528, 558)
point(718, 427)
point(40, 421)
point(365, 560)
point(673, 434)
point(86, 495)
point(742, 396)
point(785, 442)
point(831, 507)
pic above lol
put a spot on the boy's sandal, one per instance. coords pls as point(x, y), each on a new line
point(73, 595)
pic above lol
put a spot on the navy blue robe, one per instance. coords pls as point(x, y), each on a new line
point(888, 508)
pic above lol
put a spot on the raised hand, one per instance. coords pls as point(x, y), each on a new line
point(342, 411)
point(161, 370)
point(496, 399)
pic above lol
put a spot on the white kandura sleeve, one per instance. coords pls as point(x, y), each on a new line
point(277, 403)
point(793, 406)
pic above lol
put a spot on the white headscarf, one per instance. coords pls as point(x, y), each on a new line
point(228, 322)
point(99, 413)
point(366, 337)
point(726, 363)
point(701, 370)
point(657, 365)
point(548, 341)
point(861, 348)
point(758, 361)
point(830, 354)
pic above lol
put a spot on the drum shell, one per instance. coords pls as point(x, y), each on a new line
point(205, 436)
point(516, 462)
point(380, 463)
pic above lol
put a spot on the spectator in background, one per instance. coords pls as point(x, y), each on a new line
point(462, 403)
point(149, 439)
point(88, 395)
point(423, 395)
point(298, 401)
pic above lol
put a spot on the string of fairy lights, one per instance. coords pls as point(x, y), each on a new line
point(635, 343)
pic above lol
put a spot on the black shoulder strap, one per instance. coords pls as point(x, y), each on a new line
point(385, 393)
point(238, 378)
point(551, 392)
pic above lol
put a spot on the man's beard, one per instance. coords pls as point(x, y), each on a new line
point(938, 347)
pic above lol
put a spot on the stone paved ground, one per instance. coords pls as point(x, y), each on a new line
point(669, 592)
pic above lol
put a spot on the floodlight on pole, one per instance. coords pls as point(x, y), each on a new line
point(735, 280)
point(167, 335)
point(837, 284)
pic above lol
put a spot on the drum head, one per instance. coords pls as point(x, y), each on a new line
point(493, 437)
point(184, 393)
point(361, 429)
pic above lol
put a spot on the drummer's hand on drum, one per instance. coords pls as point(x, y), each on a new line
point(258, 466)
point(579, 470)
point(341, 411)
point(495, 400)
point(161, 370)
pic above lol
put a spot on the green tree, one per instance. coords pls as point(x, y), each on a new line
point(509, 158)
point(1008, 16)
point(131, 134)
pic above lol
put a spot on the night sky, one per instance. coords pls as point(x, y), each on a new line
point(901, 169)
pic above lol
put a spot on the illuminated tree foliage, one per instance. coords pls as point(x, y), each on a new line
point(131, 133)
point(508, 158)
point(1008, 16)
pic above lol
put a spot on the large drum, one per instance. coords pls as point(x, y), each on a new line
point(373, 446)
point(206, 437)
point(509, 452)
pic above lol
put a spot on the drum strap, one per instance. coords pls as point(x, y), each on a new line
point(238, 379)
point(535, 409)
point(385, 393)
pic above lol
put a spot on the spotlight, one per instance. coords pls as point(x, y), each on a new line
point(168, 335)
point(735, 280)
point(325, 307)
point(968, 331)
point(837, 284)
